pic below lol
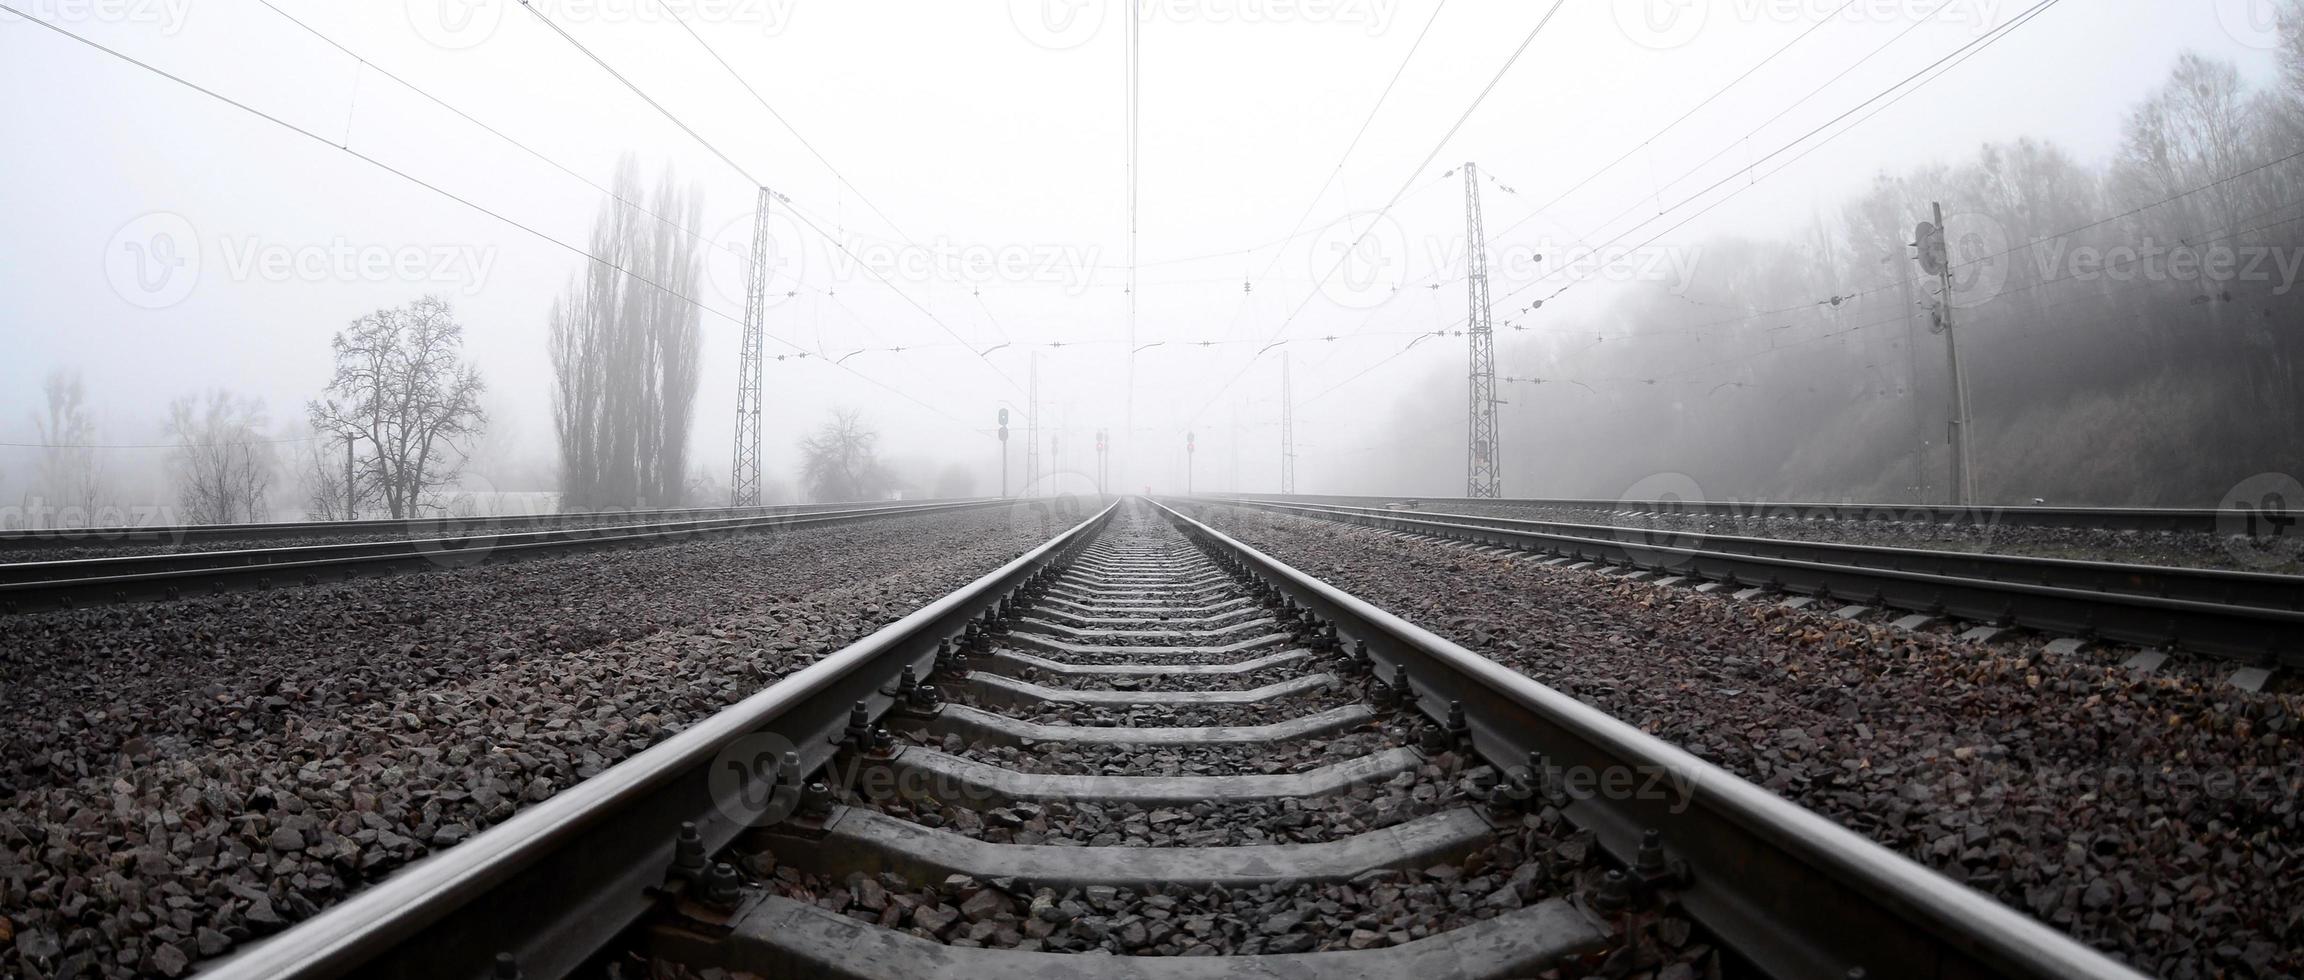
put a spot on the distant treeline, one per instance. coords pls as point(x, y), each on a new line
point(2130, 332)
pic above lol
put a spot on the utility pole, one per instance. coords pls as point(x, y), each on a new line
point(351, 490)
point(1287, 430)
point(1003, 453)
point(1103, 461)
point(1912, 393)
point(744, 472)
point(1032, 428)
point(1480, 463)
point(1935, 258)
point(1187, 464)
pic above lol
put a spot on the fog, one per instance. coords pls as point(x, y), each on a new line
point(1687, 187)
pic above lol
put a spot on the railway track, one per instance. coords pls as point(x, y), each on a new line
point(37, 540)
point(2253, 617)
point(2200, 520)
point(1145, 737)
point(38, 586)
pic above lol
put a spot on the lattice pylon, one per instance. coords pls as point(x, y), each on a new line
point(744, 472)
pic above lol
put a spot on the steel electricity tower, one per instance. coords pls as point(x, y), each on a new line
point(744, 473)
point(1287, 430)
point(1480, 463)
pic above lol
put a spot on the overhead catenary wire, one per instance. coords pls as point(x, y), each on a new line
point(1405, 184)
point(436, 189)
point(810, 223)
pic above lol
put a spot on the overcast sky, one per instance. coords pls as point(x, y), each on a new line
point(971, 132)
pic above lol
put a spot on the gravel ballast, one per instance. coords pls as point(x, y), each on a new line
point(2154, 817)
point(182, 777)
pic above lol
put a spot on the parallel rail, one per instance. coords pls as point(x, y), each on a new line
point(1797, 893)
point(2201, 520)
point(2244, 615)
point(45, 585)
point(546, 890)
point(558, 881)
point(58, 539)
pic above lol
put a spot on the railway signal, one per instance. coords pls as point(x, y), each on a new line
point(1928, 242)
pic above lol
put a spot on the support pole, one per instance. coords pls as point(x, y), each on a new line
point(1963, 490)
point(1480, 465)
point(744, 471)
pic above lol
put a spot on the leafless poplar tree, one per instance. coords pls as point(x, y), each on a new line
point(625, 353)
point(68, 488)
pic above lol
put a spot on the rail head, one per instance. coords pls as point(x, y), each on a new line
point(1799, 894)
point(2201, 520)
point(558, 880)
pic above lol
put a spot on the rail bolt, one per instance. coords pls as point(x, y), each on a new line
point(1654, 865)
point(505, 967)
point(926, 697)
point(908, 682)
point(722, 888)
point(858, 734)
point(687, 854)
point(1614, 894)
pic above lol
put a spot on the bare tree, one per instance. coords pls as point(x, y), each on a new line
point(69, 483)
point(222, 465)
point(625, 352)
point(841, 462)
point(406, 400)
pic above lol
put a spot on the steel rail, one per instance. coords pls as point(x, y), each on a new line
point(54, 539)
point(559, 880)
point(2217, 585)
point(38, 586)
point(2146, 605)
point(2200, 520)
point(1798, 894)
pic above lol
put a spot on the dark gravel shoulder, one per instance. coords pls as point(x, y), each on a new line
point(192, 776)
point(2155, 817)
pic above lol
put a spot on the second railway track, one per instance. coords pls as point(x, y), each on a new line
point(1147, 739)
point(36, 586)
